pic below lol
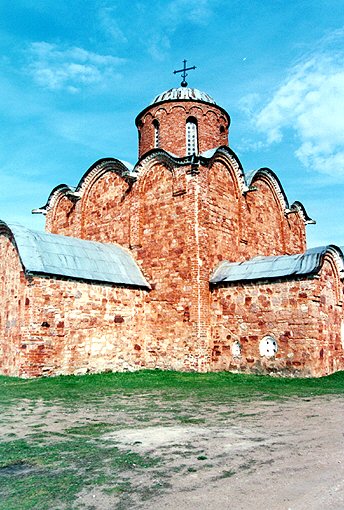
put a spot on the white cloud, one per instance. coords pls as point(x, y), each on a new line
point(70, 69)
point(108, 19)
point(169, 18)
point(157, 21)
point(311, 103)
point(195, 11)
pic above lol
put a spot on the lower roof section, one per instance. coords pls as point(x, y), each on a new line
point(51, 254)
point(283, 266)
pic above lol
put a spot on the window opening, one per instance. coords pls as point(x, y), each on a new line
point(156, 134)
point(191, 137)
point(236, 349)
point(268, 346)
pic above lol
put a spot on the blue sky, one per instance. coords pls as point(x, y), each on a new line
point(75, 74)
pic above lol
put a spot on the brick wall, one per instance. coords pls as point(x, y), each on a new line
point(105, 210)
point(179, 221)
point(77, 327)
point(172, 116)
point(101, 209)
point(12, 311)
point(64, 218)
point(304, 316)
point(168, 255)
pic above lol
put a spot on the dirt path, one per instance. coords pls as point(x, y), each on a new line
point(269, 456)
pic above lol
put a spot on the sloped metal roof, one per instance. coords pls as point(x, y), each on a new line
point(52, 254)
point(262, 268)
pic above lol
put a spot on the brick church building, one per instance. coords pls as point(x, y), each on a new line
point(181, 262)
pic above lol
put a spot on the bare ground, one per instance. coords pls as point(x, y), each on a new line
point(254, 455)
point(285, 455)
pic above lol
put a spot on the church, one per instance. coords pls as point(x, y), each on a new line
point(181, 262)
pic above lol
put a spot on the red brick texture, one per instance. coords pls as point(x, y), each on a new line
point(179, 219)
point(77, 327)
point(12, 310)
point(212, 125)
point(304, 316)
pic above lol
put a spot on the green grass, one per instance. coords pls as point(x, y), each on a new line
point(168, 384)
point(42, 474)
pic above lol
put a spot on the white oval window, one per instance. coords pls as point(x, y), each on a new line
point(268, 346)
point(236, 349)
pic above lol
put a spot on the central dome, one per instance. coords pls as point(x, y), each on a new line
point(182, 121)
point(183, 93)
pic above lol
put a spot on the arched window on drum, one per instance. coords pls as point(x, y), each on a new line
point(156, 133)
point(191, 136)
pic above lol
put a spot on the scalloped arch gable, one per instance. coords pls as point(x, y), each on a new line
point(151, 159)
point(234, 168)
point(157, 165)
point(273, 182)
point(334, 255)
point(101, 167)
point(301, 210)
point(95, 171)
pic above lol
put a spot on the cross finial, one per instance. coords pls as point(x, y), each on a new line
point(184, 75)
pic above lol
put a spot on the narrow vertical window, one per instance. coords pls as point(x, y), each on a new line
point(191, 137)
point(156, 133)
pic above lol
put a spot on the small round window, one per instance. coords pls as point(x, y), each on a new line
point(236, 349)
point(268, 346)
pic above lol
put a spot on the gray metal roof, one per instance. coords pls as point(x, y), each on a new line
point(262, 268)
point(185, 93)
point(52, 254)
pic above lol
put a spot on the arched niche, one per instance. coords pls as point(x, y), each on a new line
point(295, 233)
point(223, 212)
point(63, 218)
point(155, 188)
point(266, 216)
point(105, 208)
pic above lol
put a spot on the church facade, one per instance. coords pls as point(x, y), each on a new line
point(181, 262)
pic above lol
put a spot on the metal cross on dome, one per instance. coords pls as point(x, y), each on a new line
point(184, 75)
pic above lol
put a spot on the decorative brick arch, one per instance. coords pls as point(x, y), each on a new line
point(5, 231)
point(156, 166)
point(223, 210)
point(295, 227)
point(150, 160)
point(274, 183)
point(65, 192)
point(266, 206)
point(100, 168)
point(53, 207)
point(334, 256)
point(110, 198)
point(233, 168)
point(148, 164)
